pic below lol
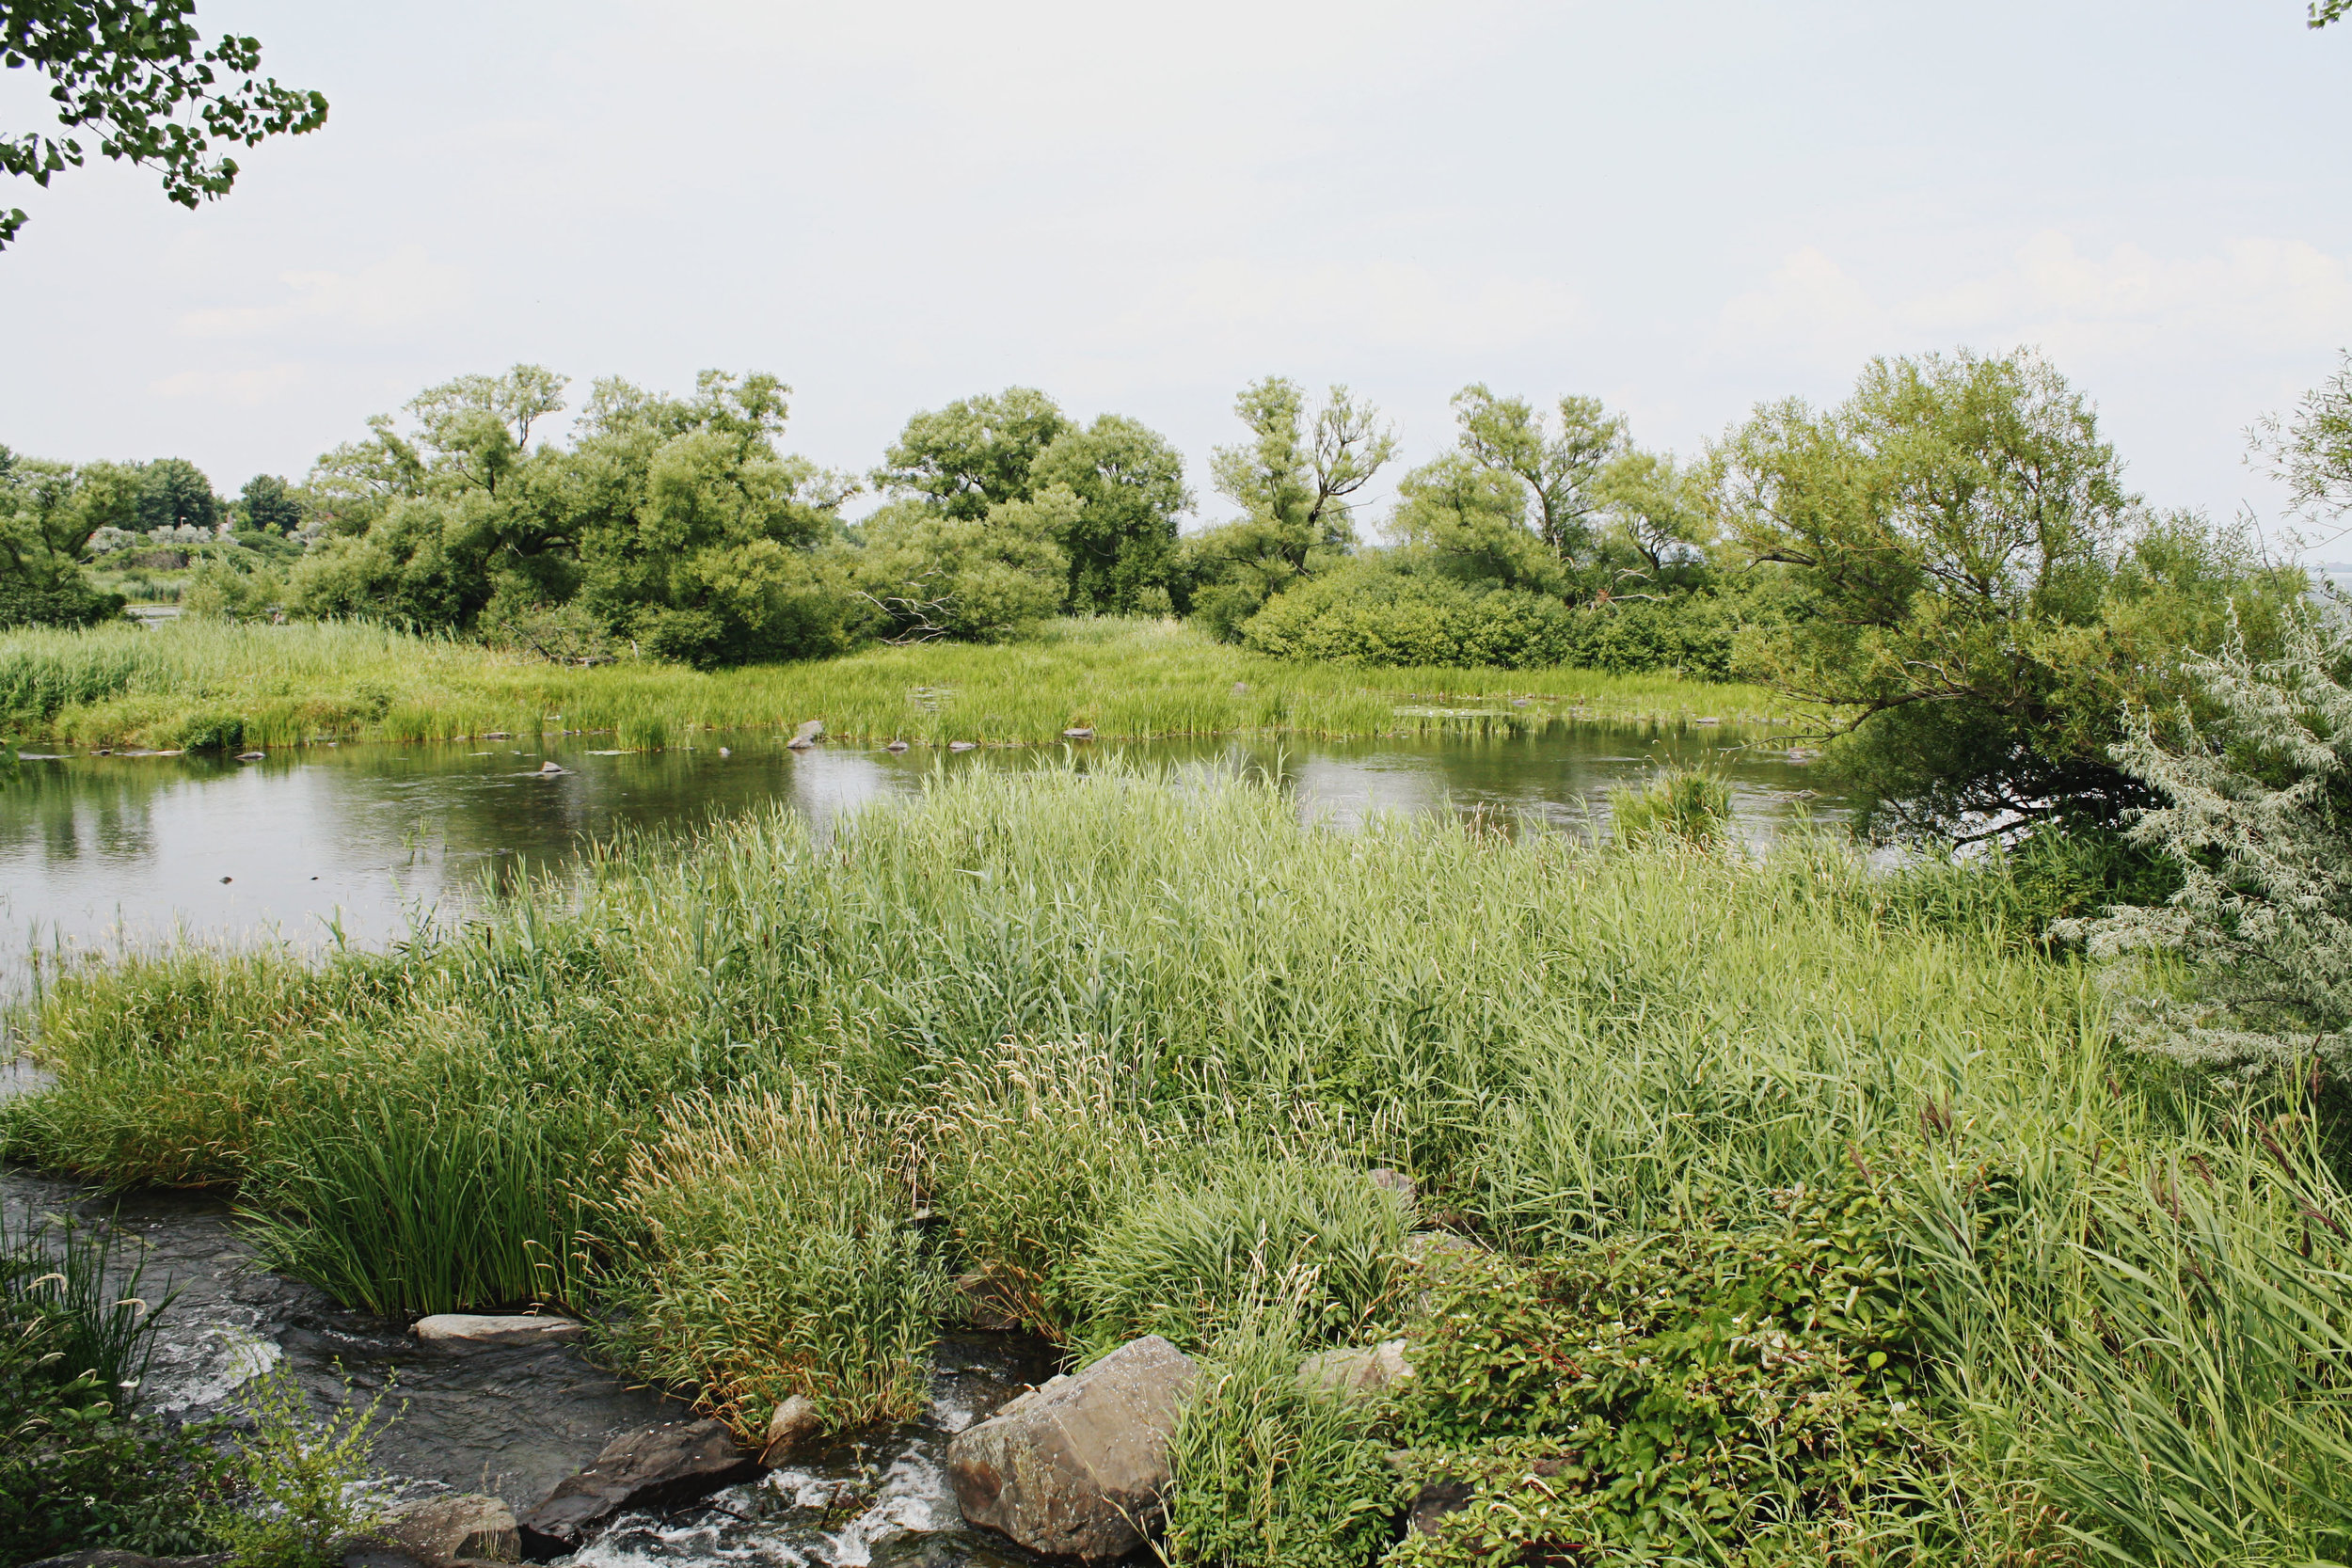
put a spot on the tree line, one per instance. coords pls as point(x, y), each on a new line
point(1948, 561)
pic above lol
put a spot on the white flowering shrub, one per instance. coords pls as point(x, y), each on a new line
point(2249, 964)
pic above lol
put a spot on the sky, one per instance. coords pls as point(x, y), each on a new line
point(1683, 208)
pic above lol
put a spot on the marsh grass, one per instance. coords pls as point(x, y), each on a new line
point(2130, 1309)
point(200, 684)
point(1685, 805)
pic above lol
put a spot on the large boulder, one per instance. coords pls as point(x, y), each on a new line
point(651, 1468)
point(1078, 1467)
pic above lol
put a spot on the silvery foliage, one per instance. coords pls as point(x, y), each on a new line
point(2258, 814)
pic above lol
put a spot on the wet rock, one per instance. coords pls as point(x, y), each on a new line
point(251, 756)
point(962, 745)
point(547, 767)
point(896, 746)
point(652, 1468)
point(808, 734)
point(476, 1331)
point(795, 1419)
point(1073, 1468)
point(1433, 1502)
point(1357, 1371)
point(1396, 1181)
point(1078, 732)
point(440, 1531)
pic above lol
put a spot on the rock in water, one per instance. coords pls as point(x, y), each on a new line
point(1356, 1372)
point(473, 1331)
point(896, 746)
point(1073, 1468)
point(794, 1420)
point(545, 768)
point(443, 1530)
point(808, 734)
point(962, 745)
point(673, 1462)
point(1078, 732)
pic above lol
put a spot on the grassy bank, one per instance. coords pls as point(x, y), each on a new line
point(1814, 1218)
point(194, 683)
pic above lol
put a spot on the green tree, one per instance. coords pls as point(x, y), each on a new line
point(267, 504)
point(2312, 452)
point(931, 575)
point(136, 71)
point(974, 454)
point(1985, 596)
point(1660, 514)
point(1472, 522)
point(47, 513)
point(1292, 480)
point(174, 493)
point(1121, 541)
point(1558, 464)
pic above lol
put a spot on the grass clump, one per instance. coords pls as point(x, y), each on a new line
point(1187, 1260)
point(1685, 806)
point(1027, 1152)
point(1272, 1472)
point(770, 1250)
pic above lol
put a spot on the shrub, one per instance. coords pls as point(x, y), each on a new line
point(1373, 613)
point(1696, 1392)
point(74, 602)
point(299, 1499)
point(1187, 1261)
point(769, 1250)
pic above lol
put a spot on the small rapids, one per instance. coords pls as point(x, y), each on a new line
point(514, 1421)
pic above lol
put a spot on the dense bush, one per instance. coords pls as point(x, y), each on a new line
point(1371, 612)
point(72, 602)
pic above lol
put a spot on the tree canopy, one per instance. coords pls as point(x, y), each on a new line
point(136, 72)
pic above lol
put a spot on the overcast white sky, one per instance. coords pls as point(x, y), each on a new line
point(1683, 207)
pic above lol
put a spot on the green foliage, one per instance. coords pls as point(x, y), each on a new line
point(231, 586)
point(1384, 610)
point(47, 515)
point(1553, 469)
point(1700, 1392)
point(1269, 1473)
point(1185, 1258)
point(933, 574)
point(975, 454)
point(174, 493)
point(80, 1466)
point(1683, 805)
point(296, 1504)
point(1293, 482)
point(268, 504)
point(133, 71)
point(1987, 596)
point(770, 1250)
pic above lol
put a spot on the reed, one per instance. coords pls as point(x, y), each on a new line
point(192, 684)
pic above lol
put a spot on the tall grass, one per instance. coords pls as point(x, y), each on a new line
point(197, 682)
point(2130, 1286)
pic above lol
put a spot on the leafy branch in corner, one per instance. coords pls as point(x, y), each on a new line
point(138, 75)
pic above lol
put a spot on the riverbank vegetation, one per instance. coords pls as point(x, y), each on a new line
point(1767, 1211)
point(209, 684)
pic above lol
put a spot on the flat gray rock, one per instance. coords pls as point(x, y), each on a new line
point(469, 1330)
point(1078, 1467)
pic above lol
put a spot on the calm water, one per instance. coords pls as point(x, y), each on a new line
point(97, 852)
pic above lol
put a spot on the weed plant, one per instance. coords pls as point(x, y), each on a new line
point(2110, 1296)
point(213, 684)
point(298, 1499)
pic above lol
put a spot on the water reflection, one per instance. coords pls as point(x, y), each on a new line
point(357, 843)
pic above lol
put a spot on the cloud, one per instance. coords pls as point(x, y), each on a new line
point(2263, 296)
point(402, 289)
point(249, 387)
